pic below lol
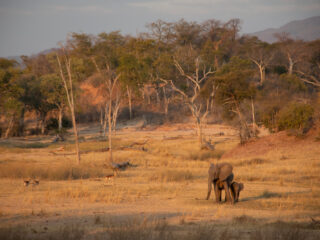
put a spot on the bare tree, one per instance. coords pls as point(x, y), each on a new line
point(199, 112)
point(69, 91)
point(110, 84)
point(309, 68)
point(129, 94)
point(261, 54)
point(293, 50)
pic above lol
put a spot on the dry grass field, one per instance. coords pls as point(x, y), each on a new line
point(163, 195)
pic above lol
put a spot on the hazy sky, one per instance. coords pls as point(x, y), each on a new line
point(30, 26)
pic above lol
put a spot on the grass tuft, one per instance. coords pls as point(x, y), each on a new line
point(254, 161)
point(24, 145)
point(204, 155)
point(243, 219)
point(172, 176)
point(55, 172)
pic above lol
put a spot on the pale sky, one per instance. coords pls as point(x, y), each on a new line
point(30, 26)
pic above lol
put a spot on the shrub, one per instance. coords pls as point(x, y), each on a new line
point(268, 116)
point(296, 116)
point(254, 161)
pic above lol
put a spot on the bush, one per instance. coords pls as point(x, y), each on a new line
point(296, 116)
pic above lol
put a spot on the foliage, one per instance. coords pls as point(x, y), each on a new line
point(288, 70)
point(296, 116)
point(234, 84)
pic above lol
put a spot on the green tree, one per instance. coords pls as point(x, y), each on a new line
point(53, 91)
point(234, 85)
point(10, 104)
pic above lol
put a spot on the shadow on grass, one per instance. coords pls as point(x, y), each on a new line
point(266, 194)
point(24, 145)
point(156, 227)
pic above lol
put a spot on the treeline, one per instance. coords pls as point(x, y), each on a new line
point(201, 69)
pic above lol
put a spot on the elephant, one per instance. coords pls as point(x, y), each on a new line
point(221, 176)
point(236, 188)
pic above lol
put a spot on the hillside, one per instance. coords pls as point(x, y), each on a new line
point(307, 30)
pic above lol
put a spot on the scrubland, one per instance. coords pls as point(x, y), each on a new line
point(162, 196)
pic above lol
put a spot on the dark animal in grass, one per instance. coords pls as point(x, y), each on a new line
point(109, 178)
point(120, 166)
point(220, 174)
point(35, 182)
point(26, 183)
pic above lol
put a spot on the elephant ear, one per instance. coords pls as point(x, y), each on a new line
point(216, 172)
point(241, 187)
point(224, 171)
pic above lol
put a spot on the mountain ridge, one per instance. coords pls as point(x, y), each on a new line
point(307, 29)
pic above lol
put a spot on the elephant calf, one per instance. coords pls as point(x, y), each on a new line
point(236, 188)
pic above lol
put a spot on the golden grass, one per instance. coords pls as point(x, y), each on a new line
point(169, 180)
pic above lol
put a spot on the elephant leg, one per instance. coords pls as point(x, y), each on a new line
point(227, 190)
point(233, 193)
point(218, 193)
point(237, 196)
point(210, 182)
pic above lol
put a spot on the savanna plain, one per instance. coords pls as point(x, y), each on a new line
point(162, 194)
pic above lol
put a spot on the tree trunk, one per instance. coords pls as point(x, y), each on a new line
point(148, 98)
point(21, 122)
point(262, 74)
point(166, 102)
point(158, 97)
point(43, 122)
point(254, 125)
point(290, 70)
point(244, 129)
point(37, 123)
point(60, 119)
point(105, 121)
point(10, 126)
point(110, 131)
point(115, 116)
point(129, 99)
point(199, 126)
point(70, 98)
point(101, 120)
point(75, 131)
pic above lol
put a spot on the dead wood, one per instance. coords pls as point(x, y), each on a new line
point(129, 147)
point(207, 145)
point(172, 138)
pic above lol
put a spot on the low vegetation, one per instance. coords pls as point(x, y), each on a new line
point(162, 195)
point(137, 229)
point(54, 172)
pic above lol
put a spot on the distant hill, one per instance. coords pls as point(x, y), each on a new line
point(307, 30)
